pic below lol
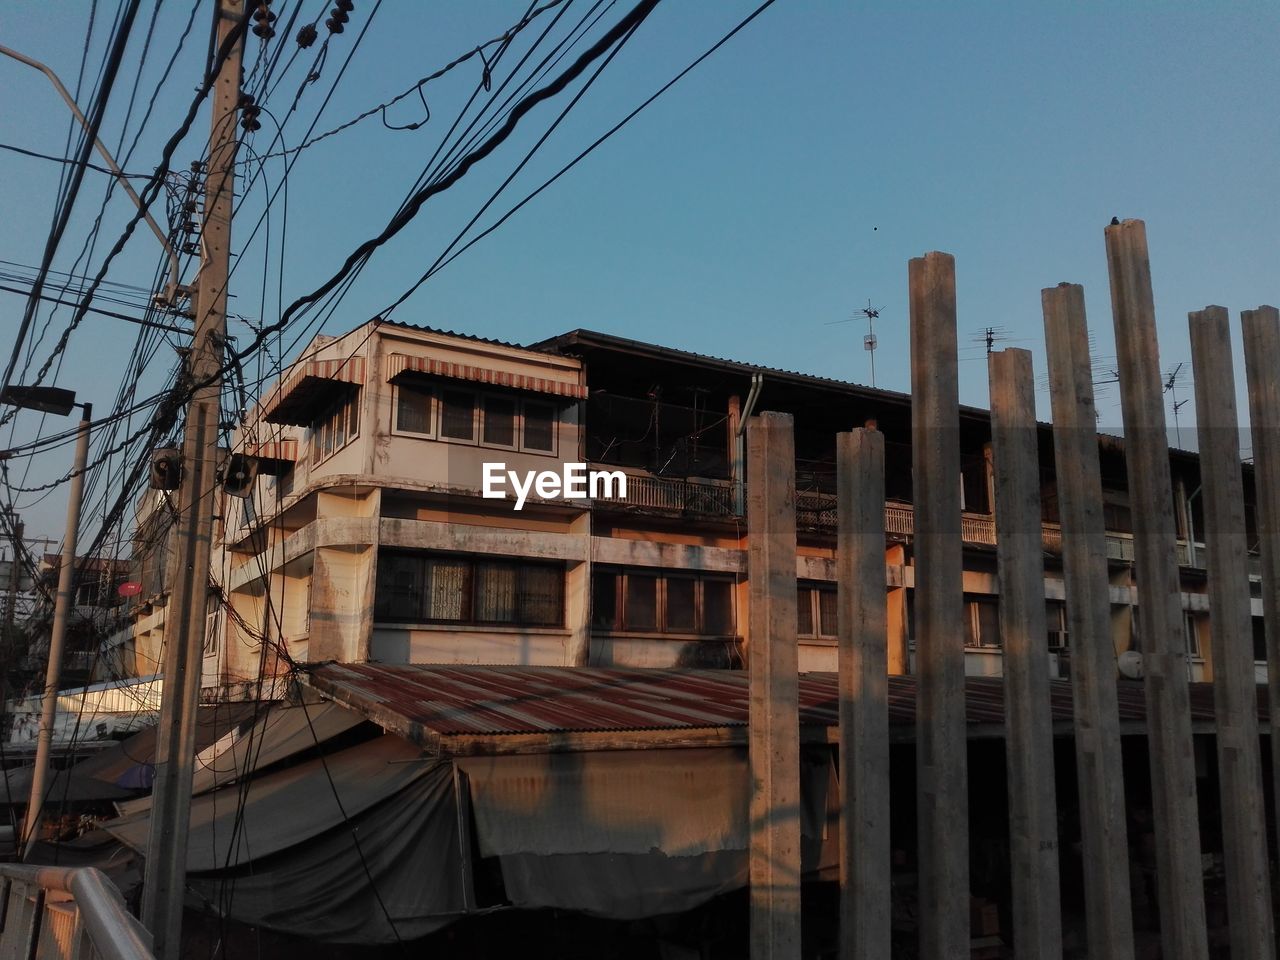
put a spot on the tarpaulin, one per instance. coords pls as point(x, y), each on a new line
point(628, 834)
point(279, 810)
point(397, 865)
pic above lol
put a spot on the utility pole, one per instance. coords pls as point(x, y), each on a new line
point(58, 636)
point(165, 879)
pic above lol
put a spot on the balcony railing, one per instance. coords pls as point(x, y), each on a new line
point(817, 511)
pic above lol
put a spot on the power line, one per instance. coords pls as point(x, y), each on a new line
point(98, 310)
point(150, 191)
point(67, 161)
point(96, 113)
point(415, 203)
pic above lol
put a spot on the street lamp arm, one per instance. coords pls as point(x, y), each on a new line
point(171, 291)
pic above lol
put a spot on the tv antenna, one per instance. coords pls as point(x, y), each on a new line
point(869, 341)
point(1172, 381)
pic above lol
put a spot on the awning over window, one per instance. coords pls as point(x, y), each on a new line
point(274, 457)
point(400, 364)
point(311, 387)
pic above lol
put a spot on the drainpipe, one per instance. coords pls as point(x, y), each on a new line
point(739, 452)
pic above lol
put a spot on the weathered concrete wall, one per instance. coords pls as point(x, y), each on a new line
point(526, 646)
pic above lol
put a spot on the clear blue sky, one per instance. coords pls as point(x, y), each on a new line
point(773, 191)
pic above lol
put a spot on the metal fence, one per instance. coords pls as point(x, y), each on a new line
point(63, 913)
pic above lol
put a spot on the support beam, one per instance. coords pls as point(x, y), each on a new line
point(775, 689)
point(1099, 767)
point(1235, 695)
point(942, 782)
point(1164, 661)
point(1033, 811)
point(1262, 364)
point(865, 859)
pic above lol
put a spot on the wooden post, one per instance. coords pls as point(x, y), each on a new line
point(1033, 812)
point(774, 733)
point(1164, 661)
point(942, 781)
point(1099, 768)
point(864, 698)
point(1262, 364)
point(1235, 695)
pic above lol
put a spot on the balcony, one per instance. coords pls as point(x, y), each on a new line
point(816, 512)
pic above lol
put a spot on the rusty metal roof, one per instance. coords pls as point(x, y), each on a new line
point(436, 704)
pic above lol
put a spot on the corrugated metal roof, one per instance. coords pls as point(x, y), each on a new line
point(431, 702)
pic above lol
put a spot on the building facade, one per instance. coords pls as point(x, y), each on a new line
point(367, 534)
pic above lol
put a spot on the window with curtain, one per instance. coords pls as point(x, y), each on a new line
point(981, 622)
point(428, 588)
point(816, 610)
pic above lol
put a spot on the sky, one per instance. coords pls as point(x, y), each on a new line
point(749, 212)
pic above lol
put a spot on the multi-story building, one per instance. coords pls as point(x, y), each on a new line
point(367, 534)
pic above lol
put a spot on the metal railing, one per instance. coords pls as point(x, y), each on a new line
point(696, 497)
point(67, 913)
point(817, 511)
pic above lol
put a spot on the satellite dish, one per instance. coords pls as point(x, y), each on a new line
point(129, 589)
point(1129, 664)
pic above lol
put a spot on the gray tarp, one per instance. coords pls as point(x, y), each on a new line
point(629, 834)
point(320, 890)
point(286, 808)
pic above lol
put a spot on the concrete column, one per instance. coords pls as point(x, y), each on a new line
point(774, 735)
point(1235, 695)
point(1164, 662)
point(1099, 769)
point(1033, 812)
point(864, 697)
point(942, 782)
point(1262, 363)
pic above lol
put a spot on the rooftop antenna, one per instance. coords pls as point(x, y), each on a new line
point(1172, 381)
point(869, 341)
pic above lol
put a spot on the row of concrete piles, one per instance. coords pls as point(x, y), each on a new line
point(941, 742)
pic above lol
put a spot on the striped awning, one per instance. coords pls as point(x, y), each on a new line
point(311, 386)
point(275, 456)
point(400, 364)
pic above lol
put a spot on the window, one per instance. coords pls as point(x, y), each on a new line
point(492, 419)
point(415, 410)
point(213, 619)
point(1055, 623)
point(981, 622)
point(648, 601)
point(499, 422)
point(1191, 633)
point(432, 588)
point(539, 427)
point(336, 427)
point(816, 610)
point(458, 415)
point(1259, 639)
point(641, 604)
